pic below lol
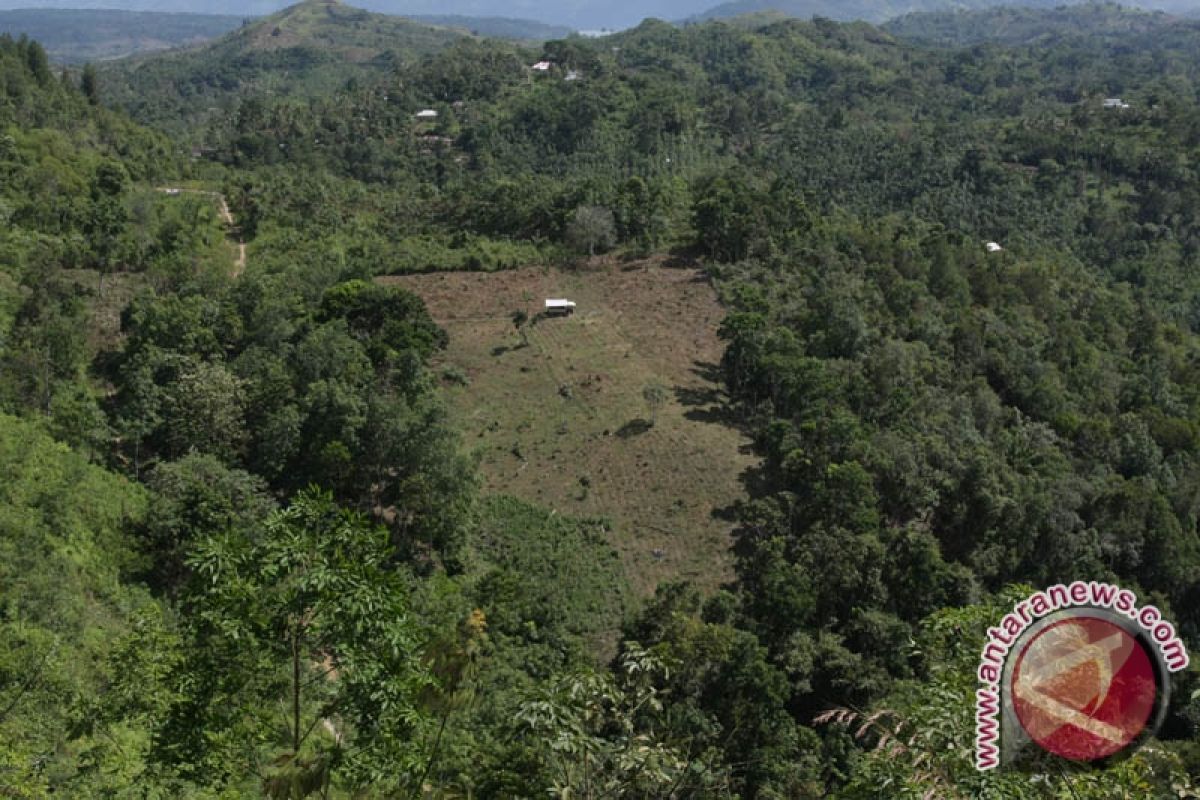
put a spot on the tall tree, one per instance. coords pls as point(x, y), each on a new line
point(307, 618)
point(89, 84)
point(591, 229)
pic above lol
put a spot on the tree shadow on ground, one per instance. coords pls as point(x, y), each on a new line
point(754, 481)
point(708, 371)
point(683, 258)
point(635, 427)
point(691, 396)
point(501, 349)
point(707, 403)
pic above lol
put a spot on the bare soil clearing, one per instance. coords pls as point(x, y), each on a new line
point(562, 420)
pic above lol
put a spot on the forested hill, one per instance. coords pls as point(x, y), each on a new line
point(1016, 26)
point(246, 552)
point(583, 14)
point(307, 49)
point(936, 422)
point(496, 27)
point(865, 10)
point(76, 36)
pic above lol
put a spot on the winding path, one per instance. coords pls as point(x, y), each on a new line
point(239, 264)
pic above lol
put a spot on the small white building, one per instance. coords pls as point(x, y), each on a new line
point(1115, 102)
point(559, 307)
point(541, 66)
point(572, 75)
point(993, 247)
point(427, 113)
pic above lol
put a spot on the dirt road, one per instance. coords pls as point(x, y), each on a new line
point(239, 264)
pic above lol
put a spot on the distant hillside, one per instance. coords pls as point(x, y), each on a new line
point(342, 32)
point(307, 49)
point(845, 10)
point(589, 14)
point(498, 27)
point(879, 11)
point(80, 35)
point(239, 8)
point(577, 14)
point(1016, 26)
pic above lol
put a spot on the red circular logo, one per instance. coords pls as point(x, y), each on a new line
point(1083, 688)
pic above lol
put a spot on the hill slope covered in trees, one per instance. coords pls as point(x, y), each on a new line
point(310, 48)
point(1019, 26)
point(865, 10)
point(294, 585)
point(76, 36)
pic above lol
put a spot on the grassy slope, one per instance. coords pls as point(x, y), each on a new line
point(568, 409)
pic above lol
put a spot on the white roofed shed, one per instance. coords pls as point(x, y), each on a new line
point(559, 306)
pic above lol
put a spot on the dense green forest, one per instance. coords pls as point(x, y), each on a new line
point(308, 49)
point(855, 9)
point(246, 552)
point(1019, 26)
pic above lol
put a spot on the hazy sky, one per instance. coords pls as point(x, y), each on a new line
point(576, 13)
point(580, 14)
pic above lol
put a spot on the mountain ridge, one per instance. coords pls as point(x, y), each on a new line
point(307, 49)
point(873, 11)
point(584, 15)
point(77, 36)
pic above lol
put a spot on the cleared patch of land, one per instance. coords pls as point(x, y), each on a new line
point(106, 299)
point(560, 418)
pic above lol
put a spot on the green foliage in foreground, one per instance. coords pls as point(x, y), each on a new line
point(64, 551)
point(936, 421)
point(548, 579)
point(304, 616)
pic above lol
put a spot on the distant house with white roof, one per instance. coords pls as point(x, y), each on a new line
point(541, 66)
point(1115, 102)
point(427, 113)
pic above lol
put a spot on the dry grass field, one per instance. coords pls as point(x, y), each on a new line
point(560, 419)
